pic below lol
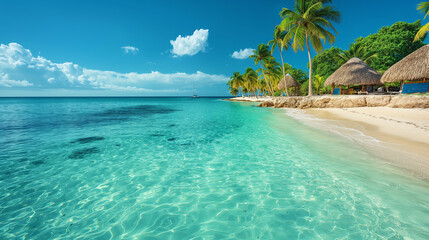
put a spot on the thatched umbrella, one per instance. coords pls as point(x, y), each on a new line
point(291, 82)
point(354, 72)
point(415, 66)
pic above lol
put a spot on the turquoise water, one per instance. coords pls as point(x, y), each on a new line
point(182, 168)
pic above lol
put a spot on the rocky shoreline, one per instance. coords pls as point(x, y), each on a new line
point(398, 101)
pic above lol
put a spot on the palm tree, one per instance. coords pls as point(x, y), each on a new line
point(250, 80)
point(237, 81)
point(309, 23)
point(357, 50)
point(261, 55)
point(272, 72)
point(232, 90)
point(424, 8)
point(281, 42)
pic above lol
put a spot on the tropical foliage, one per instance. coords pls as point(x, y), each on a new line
point(424, 8)
point(309, 23)
point(263, 57)
point(282, 42)
point(309, 26)
point(325, 64)
point(359, 51)
point(391, 44)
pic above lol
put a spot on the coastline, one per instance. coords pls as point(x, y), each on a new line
point(393, 128)
point(402, 135)
point(250, 99)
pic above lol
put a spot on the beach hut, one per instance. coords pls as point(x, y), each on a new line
point(414, 68)
point(291, 82)
point(353, 72)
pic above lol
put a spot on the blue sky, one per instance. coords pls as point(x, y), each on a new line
point(153, 48)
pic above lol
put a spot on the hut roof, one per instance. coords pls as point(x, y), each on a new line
point(291, 82)
point(353, 72)
point(415, 66)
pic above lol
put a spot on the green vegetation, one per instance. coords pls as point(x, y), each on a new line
point(308, 26)
point(391, 44)
point(357, 50)
point(325, 64)
point(309, 23)
point(424, 8)
point(281, 42)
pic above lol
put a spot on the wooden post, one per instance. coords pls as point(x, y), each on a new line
point(332, 90)
point(340, 89)
point(402, 85)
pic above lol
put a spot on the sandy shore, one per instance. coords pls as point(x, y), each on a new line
point(406, 131)
point(250, 99)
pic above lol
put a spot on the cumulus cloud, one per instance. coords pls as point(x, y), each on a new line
point(28, 71)
point(130, 49)
point(242, 53)
point(190, 45)
point(6, 82)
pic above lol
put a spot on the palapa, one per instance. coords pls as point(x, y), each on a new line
point(291, 82)
point(354, 72)
point(413, 67)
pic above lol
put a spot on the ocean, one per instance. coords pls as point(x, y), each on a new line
point(185, 168)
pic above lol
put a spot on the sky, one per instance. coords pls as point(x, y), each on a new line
point(155, 48)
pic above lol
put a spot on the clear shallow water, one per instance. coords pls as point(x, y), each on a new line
point(171, 168)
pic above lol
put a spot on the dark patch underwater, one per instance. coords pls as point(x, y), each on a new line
point(83, 152)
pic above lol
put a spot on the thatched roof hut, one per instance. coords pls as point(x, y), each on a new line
point(415, 66)
point(291, 82)
point(353, 72)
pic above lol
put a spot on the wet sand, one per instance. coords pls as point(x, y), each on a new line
point(406, 131)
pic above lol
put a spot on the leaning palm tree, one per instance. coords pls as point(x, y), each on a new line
point(281, 42)
point(359, 51)
point(262, 55)
point(309, 23)
point(424, 8)
point(273, 72)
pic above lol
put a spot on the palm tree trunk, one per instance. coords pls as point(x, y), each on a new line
point(283, 68)
point(268, 82)
point(310, 87)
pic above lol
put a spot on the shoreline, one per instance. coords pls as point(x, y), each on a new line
point(250, 99)
point(402, 134)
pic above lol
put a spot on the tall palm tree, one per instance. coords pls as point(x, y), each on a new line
point(424, 8)
point(273, 72)
point(357, 50)
point(309, 22)
point(281, 42)
point(262, 55)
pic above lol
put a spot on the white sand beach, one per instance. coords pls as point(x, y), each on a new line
point(250, 99)
point(405, 130)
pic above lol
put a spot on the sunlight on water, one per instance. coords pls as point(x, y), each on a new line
point(177, 168)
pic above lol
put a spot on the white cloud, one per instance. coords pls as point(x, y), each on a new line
point(242, 53)
point(28, 71)
point(130, 49)
point(6, 82)
point(190, 45)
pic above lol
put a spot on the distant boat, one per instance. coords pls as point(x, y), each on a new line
point(193, 91)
